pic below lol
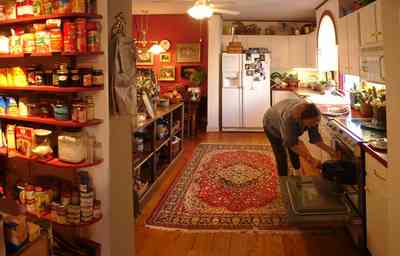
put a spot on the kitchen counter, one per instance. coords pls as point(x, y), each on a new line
point(382, 157)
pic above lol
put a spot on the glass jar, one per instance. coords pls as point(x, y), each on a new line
point(39, 74)
point(48, 77)
point(86, 77)
point(75, 79)
point(98, 77)
point(72, 146)
point(79, 112)
point(90, 108)
point(62, 76)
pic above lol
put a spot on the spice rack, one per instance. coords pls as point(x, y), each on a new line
point(158, 154)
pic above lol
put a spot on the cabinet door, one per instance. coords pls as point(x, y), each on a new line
point(368, 25)
point(353, 24)
point(377, 212)
point(379, 22)
point(297, 51)
point(311, 50)
point(256, 41)
point(343, 46)
point(279, 47)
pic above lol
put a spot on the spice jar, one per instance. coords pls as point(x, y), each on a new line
point(86, 77)
point(98, 77)
point(90, 108)
point(63, 75)
point(48, 77)
point(79, 112)
point(74, 78)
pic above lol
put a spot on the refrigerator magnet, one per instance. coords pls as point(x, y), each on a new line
point(249, 73)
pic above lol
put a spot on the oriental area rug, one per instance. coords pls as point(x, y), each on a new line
point(224, 188)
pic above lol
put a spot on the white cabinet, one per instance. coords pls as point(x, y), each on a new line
point(371, 25)
point(279, 47)
point(377, 206)
point(279, 95)
point(297, 51)
point(311, 50)
point(349, 44)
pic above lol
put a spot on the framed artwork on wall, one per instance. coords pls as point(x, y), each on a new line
point(165, 57)
point(188, 53)
point(144, 57)
point(187, 71)
point(167, 74)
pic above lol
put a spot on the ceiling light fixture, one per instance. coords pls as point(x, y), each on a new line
point(201, 10)
point(156, 49)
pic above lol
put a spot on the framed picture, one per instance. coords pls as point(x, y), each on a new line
point(186, 71)
point(165, 57)
point(144, 57)
point(188, 53)
point(167, 74)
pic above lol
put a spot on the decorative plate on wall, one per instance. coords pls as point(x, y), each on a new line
point(165, 44)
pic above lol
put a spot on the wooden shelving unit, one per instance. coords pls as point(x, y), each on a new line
point(174, 114)
point(33, 19)
point(51, 121)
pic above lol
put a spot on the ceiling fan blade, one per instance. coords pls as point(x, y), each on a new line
point(223, 11)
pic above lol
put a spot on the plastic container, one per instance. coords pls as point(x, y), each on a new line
point(72, 147)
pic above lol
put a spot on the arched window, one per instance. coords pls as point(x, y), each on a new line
point(327, 44)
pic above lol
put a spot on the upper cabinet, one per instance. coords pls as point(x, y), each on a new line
point(279, 47)
point(297, 51)
point(371, 25)
point(311, 50)
point(349, 44)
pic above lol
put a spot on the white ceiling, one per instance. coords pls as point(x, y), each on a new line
point(249, 9)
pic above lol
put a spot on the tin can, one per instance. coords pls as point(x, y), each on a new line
point(56, 41)
point(69, 34)
point(79, 113)
point(93, 36)
point(78, 6)
point(81, 39)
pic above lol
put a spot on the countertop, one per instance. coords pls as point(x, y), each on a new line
point(321, 101)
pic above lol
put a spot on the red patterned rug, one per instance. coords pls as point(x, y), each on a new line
point(224, 187)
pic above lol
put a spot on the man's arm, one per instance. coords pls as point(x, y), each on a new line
point(301, 149)
point(322, 145)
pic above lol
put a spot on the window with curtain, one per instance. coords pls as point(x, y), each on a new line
point(327, 46)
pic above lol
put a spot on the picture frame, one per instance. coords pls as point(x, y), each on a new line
point(167, 74)
point(188, 53)
point(144, 57)
point(186, 71)
point(165, 57)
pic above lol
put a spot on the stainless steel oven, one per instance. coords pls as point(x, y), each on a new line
point(348, 147)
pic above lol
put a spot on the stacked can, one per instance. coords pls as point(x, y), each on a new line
point(81, 39)
point(73, 214)
point(86, 198)
point(69, 35)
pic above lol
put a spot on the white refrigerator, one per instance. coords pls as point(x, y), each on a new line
point(245, 91)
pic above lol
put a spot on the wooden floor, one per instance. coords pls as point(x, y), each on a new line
point(151, 242)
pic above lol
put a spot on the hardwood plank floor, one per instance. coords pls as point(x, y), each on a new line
point(152, 242)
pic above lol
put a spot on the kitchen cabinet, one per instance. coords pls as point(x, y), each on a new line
point(371, 25)
point(297, 51)
point(311, 51)
point(376, 204)
point(349, 44)
point(278, 96)
point(279, 47)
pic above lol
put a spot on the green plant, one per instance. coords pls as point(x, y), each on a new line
point(197, 77)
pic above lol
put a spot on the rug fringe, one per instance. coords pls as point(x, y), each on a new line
point(243, 231)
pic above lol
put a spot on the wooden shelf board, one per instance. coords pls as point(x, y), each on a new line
point(55, 162)
point(50, 89)
point(51, 121)
point(161, 144)
point(66, 54)
point(161, 112)
point(26, 20)
point(80, 225)
point(143, 157)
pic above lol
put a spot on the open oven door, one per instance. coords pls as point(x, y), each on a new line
point(314, 202)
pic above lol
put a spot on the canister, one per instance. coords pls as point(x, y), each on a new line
point(72, 146)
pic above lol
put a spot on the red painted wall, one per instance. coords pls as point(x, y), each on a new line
point(177, 29)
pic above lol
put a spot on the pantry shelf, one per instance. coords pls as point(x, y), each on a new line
point(32, 19)
point(66, 54)
point(55, 162)
point(80, 225)
point(51, 89)
point(51, 121)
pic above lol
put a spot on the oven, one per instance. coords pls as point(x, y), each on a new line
point(348, 147)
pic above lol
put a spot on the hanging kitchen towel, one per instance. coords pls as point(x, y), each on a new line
point(122, 71)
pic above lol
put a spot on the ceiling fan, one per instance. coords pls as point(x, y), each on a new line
point(203, 9)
